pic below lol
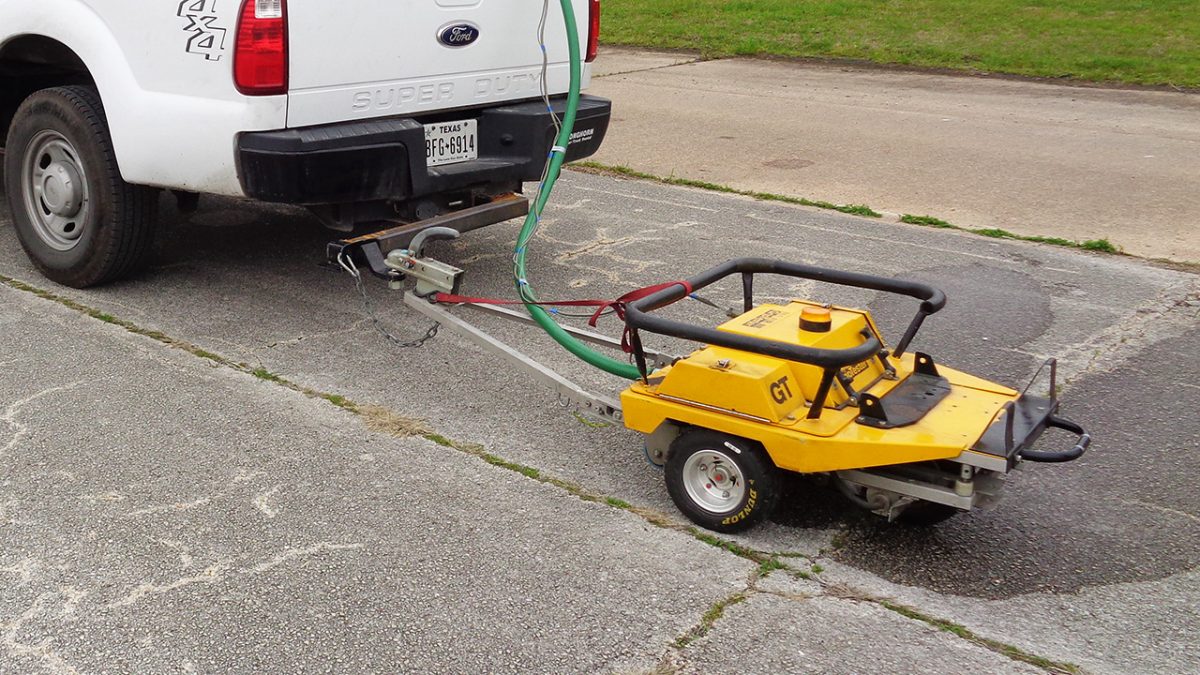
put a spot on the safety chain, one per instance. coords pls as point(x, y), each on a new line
point(348, 265)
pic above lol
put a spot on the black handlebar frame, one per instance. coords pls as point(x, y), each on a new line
point(638, 317)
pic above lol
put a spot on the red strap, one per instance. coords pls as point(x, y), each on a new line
point(618, 305)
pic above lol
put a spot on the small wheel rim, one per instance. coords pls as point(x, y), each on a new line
point(714, 481)
point(56, 195)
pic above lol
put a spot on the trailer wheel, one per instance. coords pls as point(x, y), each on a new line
point(78, 221)
point(721, 482)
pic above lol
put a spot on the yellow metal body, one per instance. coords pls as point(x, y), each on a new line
point(767, 399)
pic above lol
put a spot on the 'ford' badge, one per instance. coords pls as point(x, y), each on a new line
point(458, 35)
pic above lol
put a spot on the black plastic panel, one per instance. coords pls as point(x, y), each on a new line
point(384, 159)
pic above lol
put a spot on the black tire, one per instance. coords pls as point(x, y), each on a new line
point(118, 219)
point(924, 514)
point(715, 452)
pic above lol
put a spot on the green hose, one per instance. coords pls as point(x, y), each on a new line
point(541, 316)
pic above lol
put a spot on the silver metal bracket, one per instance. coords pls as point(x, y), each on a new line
point(431, 276)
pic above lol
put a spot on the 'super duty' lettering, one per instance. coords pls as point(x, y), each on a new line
point(395, 98)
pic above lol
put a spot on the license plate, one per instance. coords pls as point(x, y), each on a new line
point(451, 142)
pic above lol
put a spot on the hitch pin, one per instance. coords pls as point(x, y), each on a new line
point(348, 264)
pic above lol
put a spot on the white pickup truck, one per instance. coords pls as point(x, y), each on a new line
point(365, 111)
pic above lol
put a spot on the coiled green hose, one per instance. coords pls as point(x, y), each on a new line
point(541, 316)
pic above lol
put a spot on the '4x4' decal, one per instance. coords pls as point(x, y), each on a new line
point(206, 39)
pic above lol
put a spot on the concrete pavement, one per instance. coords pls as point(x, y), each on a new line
point(1029, 157)
point(293, 533)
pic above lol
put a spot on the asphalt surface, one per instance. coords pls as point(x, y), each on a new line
point(1036, 158)
point(1116, 532)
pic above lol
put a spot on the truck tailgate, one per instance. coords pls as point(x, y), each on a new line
point(378, 58)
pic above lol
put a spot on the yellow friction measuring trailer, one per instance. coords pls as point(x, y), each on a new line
point(812, 388)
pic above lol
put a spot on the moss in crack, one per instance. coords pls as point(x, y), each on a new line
point(1101, 245)
point(839, 540)
point(769, 565)
point(440, 440)
point(264, 374)
point(1096, 245)
point(341, 402)
point(1015, 653)
point(725, 544)
point(527, 471)
point(590, 423)
point(927, 221)
point(626, 172)
point(714, 614)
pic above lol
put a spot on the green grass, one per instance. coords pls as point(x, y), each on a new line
point(928, 221)
point(714, 613)
point(965, 633)
point(769, 565)
point(264, 374)
point(1154, 42)
point(1097, 245)
point(626, 172)
point(618, 503)
point(591, 424)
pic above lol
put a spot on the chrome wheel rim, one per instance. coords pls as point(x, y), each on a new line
point(714, 481)
point(56, 194)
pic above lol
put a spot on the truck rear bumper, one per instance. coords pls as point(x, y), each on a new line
point(384, 159)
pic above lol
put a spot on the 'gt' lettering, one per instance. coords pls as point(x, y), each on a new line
point(780, 391)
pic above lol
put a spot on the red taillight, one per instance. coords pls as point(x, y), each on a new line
point(260, 62)
point(593, 30)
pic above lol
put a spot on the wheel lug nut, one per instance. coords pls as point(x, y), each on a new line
point(725, 494)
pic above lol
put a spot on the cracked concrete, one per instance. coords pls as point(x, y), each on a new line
point(1094, 628)
point(1057, 533)
point(772, 633)
point(410, 554)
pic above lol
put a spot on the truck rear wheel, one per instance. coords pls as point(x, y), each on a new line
point(721, 482)
point(78, 221)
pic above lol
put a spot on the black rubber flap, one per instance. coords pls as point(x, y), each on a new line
point(904, 405)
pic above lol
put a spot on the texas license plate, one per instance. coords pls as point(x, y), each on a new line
point(451, 142)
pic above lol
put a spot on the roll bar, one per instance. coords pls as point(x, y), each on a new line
point(638, 314)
